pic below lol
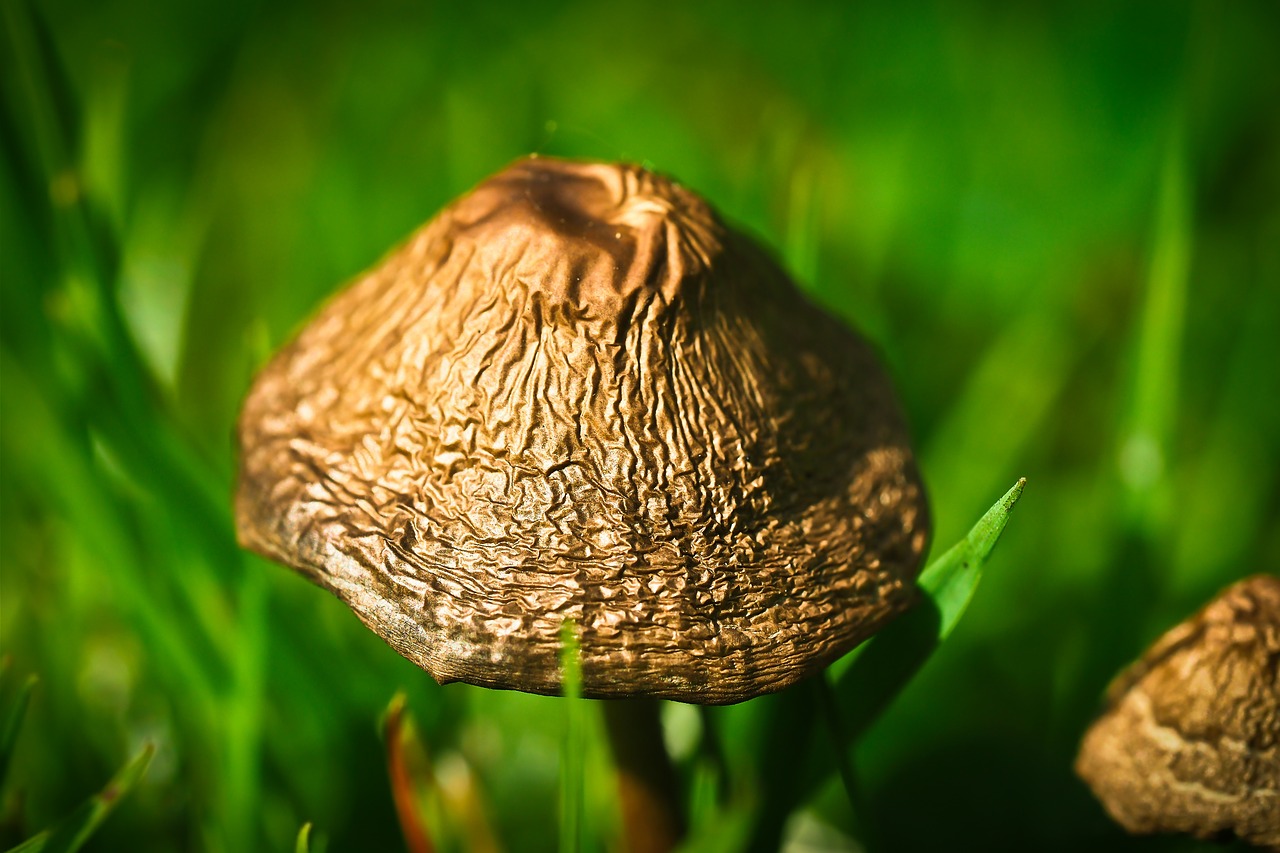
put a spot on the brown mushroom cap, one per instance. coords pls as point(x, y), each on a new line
point(1190, 741)
point(575, 394)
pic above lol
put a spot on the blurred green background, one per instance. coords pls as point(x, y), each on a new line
point(1059, 222)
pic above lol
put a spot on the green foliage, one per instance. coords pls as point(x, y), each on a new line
point(11, 716)
point(572, 752)
point(860, 687)
point(872, 676)
point(951, 580)
point(303, 844)
point(1058, 224)
point(72, 832)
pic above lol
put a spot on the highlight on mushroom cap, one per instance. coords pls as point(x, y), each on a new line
point(577, 395)
point(1190, 740)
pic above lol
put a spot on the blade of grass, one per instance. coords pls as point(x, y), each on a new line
point(784, 764)
point(128, 414)
point(572, 755)
point(802, 237)
point(952, 579)
point(86, 248)
point(303, 844)
point(1147, 432)
point(406, 765)
point(867, 680)
point(122, 401)
point(243, 715)
point(1139, 576)
point(70, 483)
point(128, 401)
point(863, 828)
point(887, 662)
point(708, 786)
point(73, 831)
point(731, 831)
point(13, 718)
point(438, 800)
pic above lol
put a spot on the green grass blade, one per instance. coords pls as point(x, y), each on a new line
point(303, 845)
point(951, 580)
point(873, 676)
point(13, 718)
point(572, 756)
point(1144, 445)
point(243, 710)
point(783, 766)
point(730, 831)
point(73, 831)
point(884, 666)
point(843, 755)
point(1141, 520)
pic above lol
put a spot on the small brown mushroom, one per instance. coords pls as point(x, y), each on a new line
point(1190, 741)
point(577, 395)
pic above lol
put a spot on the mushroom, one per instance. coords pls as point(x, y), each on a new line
point(1190, 740)
point(577, 395)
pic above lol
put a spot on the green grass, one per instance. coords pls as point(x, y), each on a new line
point(1057, 222)
point(572, 752)
point(74, 831)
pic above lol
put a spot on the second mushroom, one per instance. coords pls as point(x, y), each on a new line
point(1190, 740)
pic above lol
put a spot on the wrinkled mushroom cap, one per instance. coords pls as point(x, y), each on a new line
point(576, 395)
point(1190, 741)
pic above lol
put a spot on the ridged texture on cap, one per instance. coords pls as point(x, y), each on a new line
point(1190, 741)
point(576, 395)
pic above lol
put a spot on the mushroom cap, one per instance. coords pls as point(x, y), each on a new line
point(576, 395)
point(1190, 740)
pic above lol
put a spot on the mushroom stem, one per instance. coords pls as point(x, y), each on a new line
point(651, 811)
